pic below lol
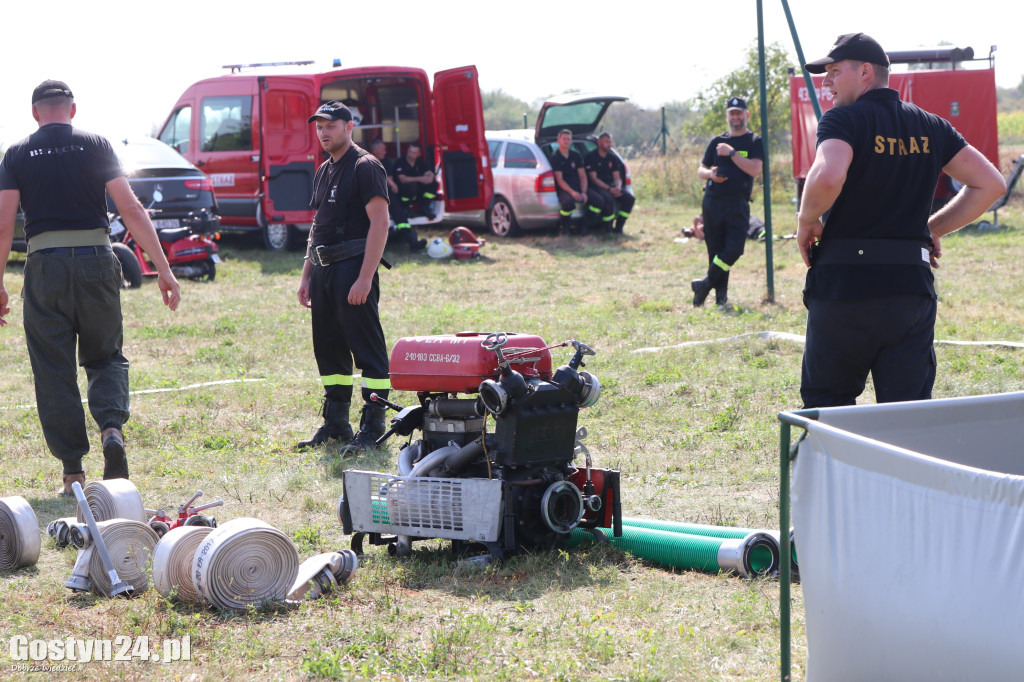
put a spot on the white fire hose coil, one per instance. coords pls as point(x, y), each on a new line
point(19, 534)
point(117, 498)
point(130, 545)
point(243, 563)
point(172, 562)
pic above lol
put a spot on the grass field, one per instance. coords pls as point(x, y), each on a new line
point(692, 428)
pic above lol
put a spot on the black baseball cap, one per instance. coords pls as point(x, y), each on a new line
point(332, 111)
point(856, 46)
point(736, 103)
point(51, 88)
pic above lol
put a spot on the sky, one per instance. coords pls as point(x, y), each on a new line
point(127, 62)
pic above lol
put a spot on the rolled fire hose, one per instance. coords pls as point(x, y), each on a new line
point(172, 562)
point(320, 574)
point(701, 529)
point(130, 545)
point(244, 562)
point(60, 530)
point(117, 498)
point(756, 554)
point(19, 534)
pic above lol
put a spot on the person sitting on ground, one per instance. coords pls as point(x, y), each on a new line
point(403, 232)
point(416, 183)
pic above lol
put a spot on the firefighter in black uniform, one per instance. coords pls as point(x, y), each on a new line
point(339, 280)
point(869, 293)
point(730, 164)
point(571, 185)
point(404, 232)
point(607, 176)
point(416, 182)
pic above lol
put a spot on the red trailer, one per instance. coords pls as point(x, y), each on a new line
point(964, 97)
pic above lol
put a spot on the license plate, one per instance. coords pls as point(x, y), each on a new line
point(215, 258)
point(164, 223)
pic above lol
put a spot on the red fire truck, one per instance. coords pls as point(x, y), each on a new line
point(247, 131)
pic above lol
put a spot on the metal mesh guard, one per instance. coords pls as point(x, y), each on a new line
point(451, 508)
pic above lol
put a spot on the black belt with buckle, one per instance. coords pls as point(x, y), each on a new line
point(870, 252)
point(328, 254)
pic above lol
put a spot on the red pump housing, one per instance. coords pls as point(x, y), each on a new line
point(457, 363)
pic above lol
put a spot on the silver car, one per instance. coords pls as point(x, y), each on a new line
point(524, 184)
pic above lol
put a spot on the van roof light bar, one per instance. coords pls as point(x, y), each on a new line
point(235, 68)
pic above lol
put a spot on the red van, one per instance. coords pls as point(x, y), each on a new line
point(248, 133)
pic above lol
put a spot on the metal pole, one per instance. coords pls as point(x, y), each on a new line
point(785, 554)
point(526, 120)
point(800, 56)
point(664, 132)
point(766, 173)
point(786, 453)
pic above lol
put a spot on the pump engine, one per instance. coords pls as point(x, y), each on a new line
point(511, 487)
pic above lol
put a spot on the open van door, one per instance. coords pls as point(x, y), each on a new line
point(459, 119)
point(289, 157)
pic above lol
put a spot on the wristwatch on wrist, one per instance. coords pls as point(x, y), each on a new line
point(732, 153)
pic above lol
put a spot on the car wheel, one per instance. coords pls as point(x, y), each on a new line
point(501, 219)
point(131, 269)
point(275, 236)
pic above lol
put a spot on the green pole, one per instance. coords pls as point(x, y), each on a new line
point(766, 173)
point(785, 567)
point(800, 56)
point(526, 120)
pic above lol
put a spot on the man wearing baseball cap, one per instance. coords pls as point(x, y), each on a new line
point(731, 162)
point(339, 280)
point(865, 232)
point(61, 176)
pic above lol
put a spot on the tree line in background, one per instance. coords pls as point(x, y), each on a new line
point(691, 123)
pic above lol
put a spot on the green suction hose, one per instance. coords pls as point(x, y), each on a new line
point(755, 554)
point(710, 531)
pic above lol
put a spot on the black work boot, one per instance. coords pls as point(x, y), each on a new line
point(335, 426)
point(701, 289)
point(620, 222)
point(411, 238)
point(371, 427)
point(115, 461)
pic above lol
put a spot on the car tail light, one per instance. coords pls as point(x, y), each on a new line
point(545, 182)
point(200, 184)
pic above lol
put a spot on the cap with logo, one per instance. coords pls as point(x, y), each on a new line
point(332, 111)
point(51, 88)
point(736, 103)
point(856, 46)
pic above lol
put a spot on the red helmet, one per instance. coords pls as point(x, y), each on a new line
point(464, 243)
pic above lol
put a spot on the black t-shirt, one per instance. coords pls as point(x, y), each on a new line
point(340, 193)
point(61, 173)
point(604, 166)
point(738, 185)
point(409, 170)
point(569, 166)
point(898, 152)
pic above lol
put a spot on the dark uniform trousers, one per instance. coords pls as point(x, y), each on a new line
point(597, 206)
point(890, 337)
point(342, 331)
point(423, 195)
point(726, 221)
point(73, 297)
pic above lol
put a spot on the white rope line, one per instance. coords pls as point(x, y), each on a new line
point(147, 391)
point(799, 338)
